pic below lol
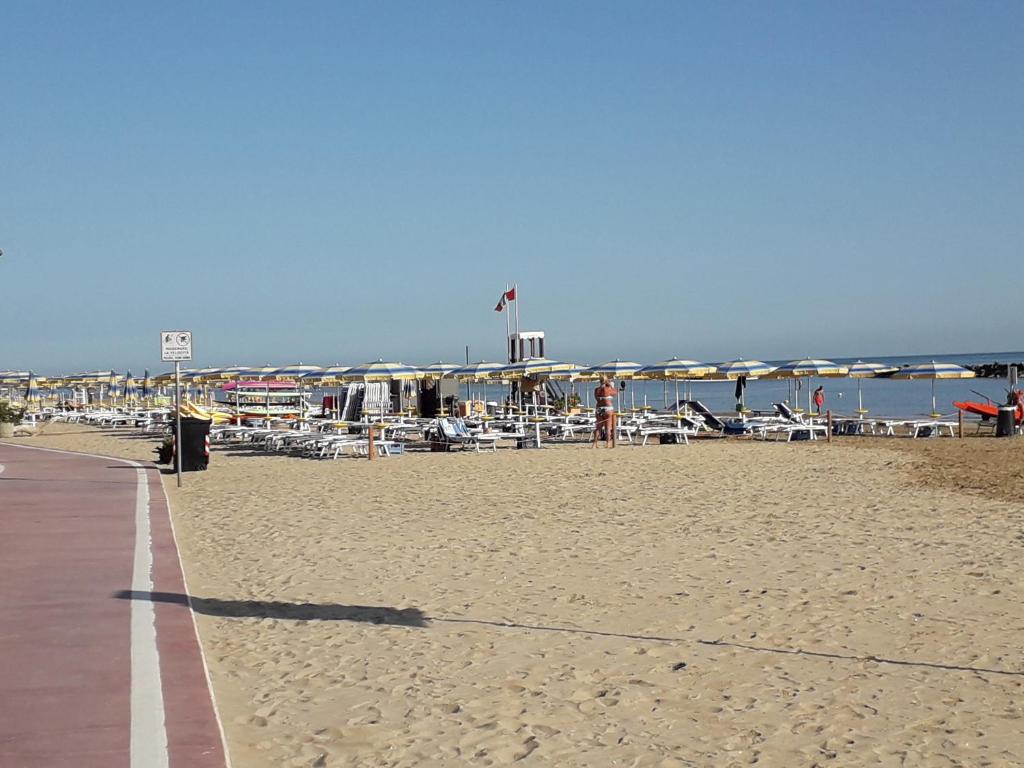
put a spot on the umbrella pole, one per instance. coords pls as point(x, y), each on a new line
point(860, 400)
point(934, 409)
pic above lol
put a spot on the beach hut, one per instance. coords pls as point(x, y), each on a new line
point(860, 371)
point(934, 371)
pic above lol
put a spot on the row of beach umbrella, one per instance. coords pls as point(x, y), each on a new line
point(673, 369)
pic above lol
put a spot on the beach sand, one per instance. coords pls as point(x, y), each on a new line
point(726, 603)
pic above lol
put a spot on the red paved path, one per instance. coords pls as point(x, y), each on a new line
point(67, 545)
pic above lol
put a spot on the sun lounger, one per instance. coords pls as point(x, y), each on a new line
point(455, 432)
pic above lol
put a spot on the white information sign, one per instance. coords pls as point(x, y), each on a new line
point(175, 346)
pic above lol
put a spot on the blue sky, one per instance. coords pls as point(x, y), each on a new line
point(334, 182)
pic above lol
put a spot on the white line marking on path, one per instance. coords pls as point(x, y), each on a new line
point(199, 639)
point(149, 733)
point(2, 468)
point(148, 727)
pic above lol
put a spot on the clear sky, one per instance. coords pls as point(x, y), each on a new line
point(340, 181)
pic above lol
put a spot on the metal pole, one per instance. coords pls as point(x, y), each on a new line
point(508, 333)
point(177, 419)
point(828, 417)
point(516, 289)
point(960, 423)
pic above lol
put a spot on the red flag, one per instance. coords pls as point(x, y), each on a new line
point(510, 295)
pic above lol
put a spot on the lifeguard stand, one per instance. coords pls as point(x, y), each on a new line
point(524, 345)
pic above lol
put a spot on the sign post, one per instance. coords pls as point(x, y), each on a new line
point(176, 346)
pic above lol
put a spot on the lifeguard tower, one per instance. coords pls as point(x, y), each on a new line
point(524, 345)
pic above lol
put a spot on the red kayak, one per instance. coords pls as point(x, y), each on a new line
point(989, 410)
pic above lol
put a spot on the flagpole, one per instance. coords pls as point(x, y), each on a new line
point(515, 289)
point(508, 333)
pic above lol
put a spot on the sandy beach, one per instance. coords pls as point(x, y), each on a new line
point(726, 603)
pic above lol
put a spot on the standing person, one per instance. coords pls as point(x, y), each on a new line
point(604, 399)
point(819, 398)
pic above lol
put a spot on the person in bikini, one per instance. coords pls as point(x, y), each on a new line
point(604, 398)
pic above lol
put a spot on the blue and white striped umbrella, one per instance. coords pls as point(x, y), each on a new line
point(529, 367)
point(478, 370)
point(933, 371)
point(131, 389)
point(258, 372)
point(615, 369)
point(331, 373)
point(114, 385)
point(294, 371)
point(381, 371)
point(439, 370)
point(733, 369)
point(31, 388)
point(14, 377)
point(808, 367)
point(861, 370)
point(677, 369)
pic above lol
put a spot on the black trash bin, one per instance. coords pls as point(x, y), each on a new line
point(194, 444)
point(1006, 421)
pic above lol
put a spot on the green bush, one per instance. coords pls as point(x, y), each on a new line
point(10, 413)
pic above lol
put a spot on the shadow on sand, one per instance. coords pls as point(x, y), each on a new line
point(414, 617)
point(273, 609)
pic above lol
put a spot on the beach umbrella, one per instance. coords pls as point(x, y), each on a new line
point(131, 390)
point(294, 371)
point(32, 388)
point(615, 369)
point(478, 370)
point(259, 372)
point(147, 385)
point(934, 371)
point(530, 367)
point(297, 373)
point(381, 370)
point(331, 373)
point(572, 374)
point(439, 370)
point(677, 370)
point(860, 371)
point(732, 370)
point(807, 369)
point(113, 386)
point(14, 377)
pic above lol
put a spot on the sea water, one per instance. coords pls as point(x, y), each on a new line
point(882, 397)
